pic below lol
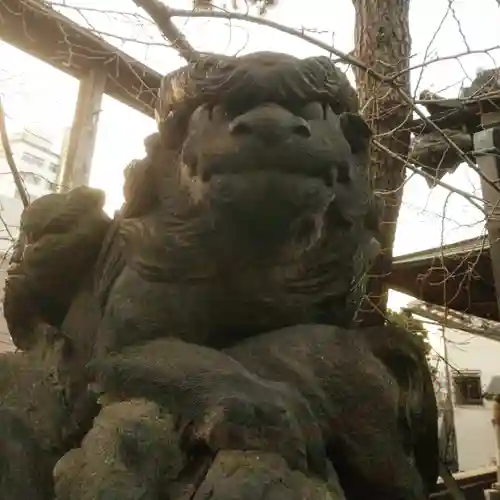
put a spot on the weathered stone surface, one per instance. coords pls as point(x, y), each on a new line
point(25, 469)
point(216, 400)
point(210, 318)
point(33, 422)
point(132, 452)
point(321, 397)
point(249, 475)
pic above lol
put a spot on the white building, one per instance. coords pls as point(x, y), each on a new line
point(37, 161)
point(472, 361)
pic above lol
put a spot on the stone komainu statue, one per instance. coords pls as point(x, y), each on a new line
point(200, 344)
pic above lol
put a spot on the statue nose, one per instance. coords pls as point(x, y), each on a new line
point(270, 124)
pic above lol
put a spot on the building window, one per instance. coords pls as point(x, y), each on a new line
point(31, 178)
point(32, 159)
point(467, 385)
point(54, 167)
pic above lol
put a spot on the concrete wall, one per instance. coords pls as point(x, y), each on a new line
point(475, 438)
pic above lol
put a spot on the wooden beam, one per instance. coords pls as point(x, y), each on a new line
point(51, 37)
point(458, 276)
point(77, 160)
point(472, 483)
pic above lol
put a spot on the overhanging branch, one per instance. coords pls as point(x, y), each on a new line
point(161, 15)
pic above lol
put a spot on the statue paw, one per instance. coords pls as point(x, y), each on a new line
point(217, 402)
point(246, 413)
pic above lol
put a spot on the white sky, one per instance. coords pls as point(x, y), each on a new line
point(36, 95)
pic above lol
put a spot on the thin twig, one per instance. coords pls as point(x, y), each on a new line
point(229, 16)
point(10, 158)
point(423, 173)
point(160, 14)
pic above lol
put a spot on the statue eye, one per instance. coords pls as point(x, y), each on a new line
point(216, 111)
point(209, 108)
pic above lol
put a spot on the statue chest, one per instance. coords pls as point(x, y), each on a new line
point(215, 314)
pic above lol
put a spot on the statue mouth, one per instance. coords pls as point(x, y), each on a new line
point(323, 174)
point(289, 162)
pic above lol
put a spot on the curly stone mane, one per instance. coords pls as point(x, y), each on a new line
point(236, 79)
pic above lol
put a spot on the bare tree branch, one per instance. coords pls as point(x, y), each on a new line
point(161, 15)
point(346, 58)
point(467, 196)
point(10, 158)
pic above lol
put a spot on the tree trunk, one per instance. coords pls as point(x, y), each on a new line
point(382, 42)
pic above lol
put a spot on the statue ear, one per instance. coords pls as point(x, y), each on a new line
point(356, 131)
